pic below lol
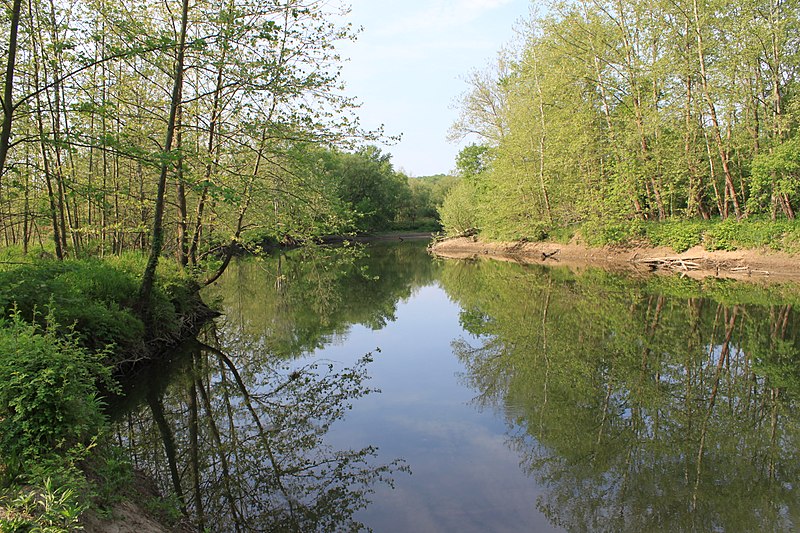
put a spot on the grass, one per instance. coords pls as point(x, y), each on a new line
point(680, 235)
point(64, 327)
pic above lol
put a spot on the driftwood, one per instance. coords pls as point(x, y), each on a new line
point(749, 270)
point(548, 255)
point(670, 263)
point(685, 264)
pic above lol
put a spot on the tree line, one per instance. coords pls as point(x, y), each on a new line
point(187, 129)
point(624, 110)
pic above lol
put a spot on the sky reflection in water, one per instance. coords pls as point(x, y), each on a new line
point(465, 478)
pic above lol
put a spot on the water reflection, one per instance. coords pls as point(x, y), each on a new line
point(237, 431)
point(636, 410)
point(650, 404)
point(293, 303)
point(246, 452)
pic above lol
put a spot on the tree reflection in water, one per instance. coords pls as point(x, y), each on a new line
point(655, 404)
point(237, 432)
point(640, 406)
point(245, 451)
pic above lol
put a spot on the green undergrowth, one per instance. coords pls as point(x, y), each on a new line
point(65, 327)
point(679, 235)
point(51, 421)
point(728, 234)
point(95, 299)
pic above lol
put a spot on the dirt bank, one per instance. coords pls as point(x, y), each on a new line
point(696, 262)
point(131, 515)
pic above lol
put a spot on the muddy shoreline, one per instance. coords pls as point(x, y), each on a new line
point(757, 265)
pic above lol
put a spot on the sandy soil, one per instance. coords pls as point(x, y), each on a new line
point(763, 265)
point(129, 516)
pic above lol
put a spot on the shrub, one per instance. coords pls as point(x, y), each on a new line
point(48, 392)
point(459, 212)
point(562, 235)
point(598, 232)
point(730, 234)
point(680, 235)
point(96, 298)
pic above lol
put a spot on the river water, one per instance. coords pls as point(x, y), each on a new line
point(393, 391)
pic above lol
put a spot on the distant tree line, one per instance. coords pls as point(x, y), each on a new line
point(379, 197)
point(623, 110)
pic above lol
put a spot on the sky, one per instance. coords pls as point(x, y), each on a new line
point(408, 67)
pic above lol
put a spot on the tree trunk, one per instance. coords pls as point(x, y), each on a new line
point(717, 135)
point(180, 193)
point(148, 277)
point(8, 90)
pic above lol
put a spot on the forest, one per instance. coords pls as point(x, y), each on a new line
point(618, 114)
point(184, 129)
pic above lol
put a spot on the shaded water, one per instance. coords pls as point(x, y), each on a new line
point(511, 398)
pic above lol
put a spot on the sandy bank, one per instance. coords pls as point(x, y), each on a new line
point(764, 265)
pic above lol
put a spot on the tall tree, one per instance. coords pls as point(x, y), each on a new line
point(167, 160)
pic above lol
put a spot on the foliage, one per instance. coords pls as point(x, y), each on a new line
point(366, 182)
point(461, 208)
point(599, 232)
point(372, 196)
point(676, 234)
point(49, 507)
point(610, 114)
point(95, 298)
point(721, 236)
point(427, 195)
point(50, 416)
point(91, 94)
point(48, 392)
point(775, 172)
point(473, 160)
point(680, 235)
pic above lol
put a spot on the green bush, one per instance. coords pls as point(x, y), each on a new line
point(96, 298)
point(460, 210)
point(46, 505)
point(85, 295)
point(48, 392)
point(562, 235)
point(730, 234)
point(680, 235)
point(790, 240)
point(428, 225)
point(615, 232)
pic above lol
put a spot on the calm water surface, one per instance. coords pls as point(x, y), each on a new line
point(510, 398)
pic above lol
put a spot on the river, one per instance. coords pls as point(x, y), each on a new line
point(394, 391)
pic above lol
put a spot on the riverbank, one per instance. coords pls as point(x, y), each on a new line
point(696, 262)
point(68, 331)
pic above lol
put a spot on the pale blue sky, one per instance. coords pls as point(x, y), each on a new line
point(408, 68)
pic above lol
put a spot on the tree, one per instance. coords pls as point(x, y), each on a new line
point(167, 162)
point(613, 111)
point(367, 182)
point(8, 86)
